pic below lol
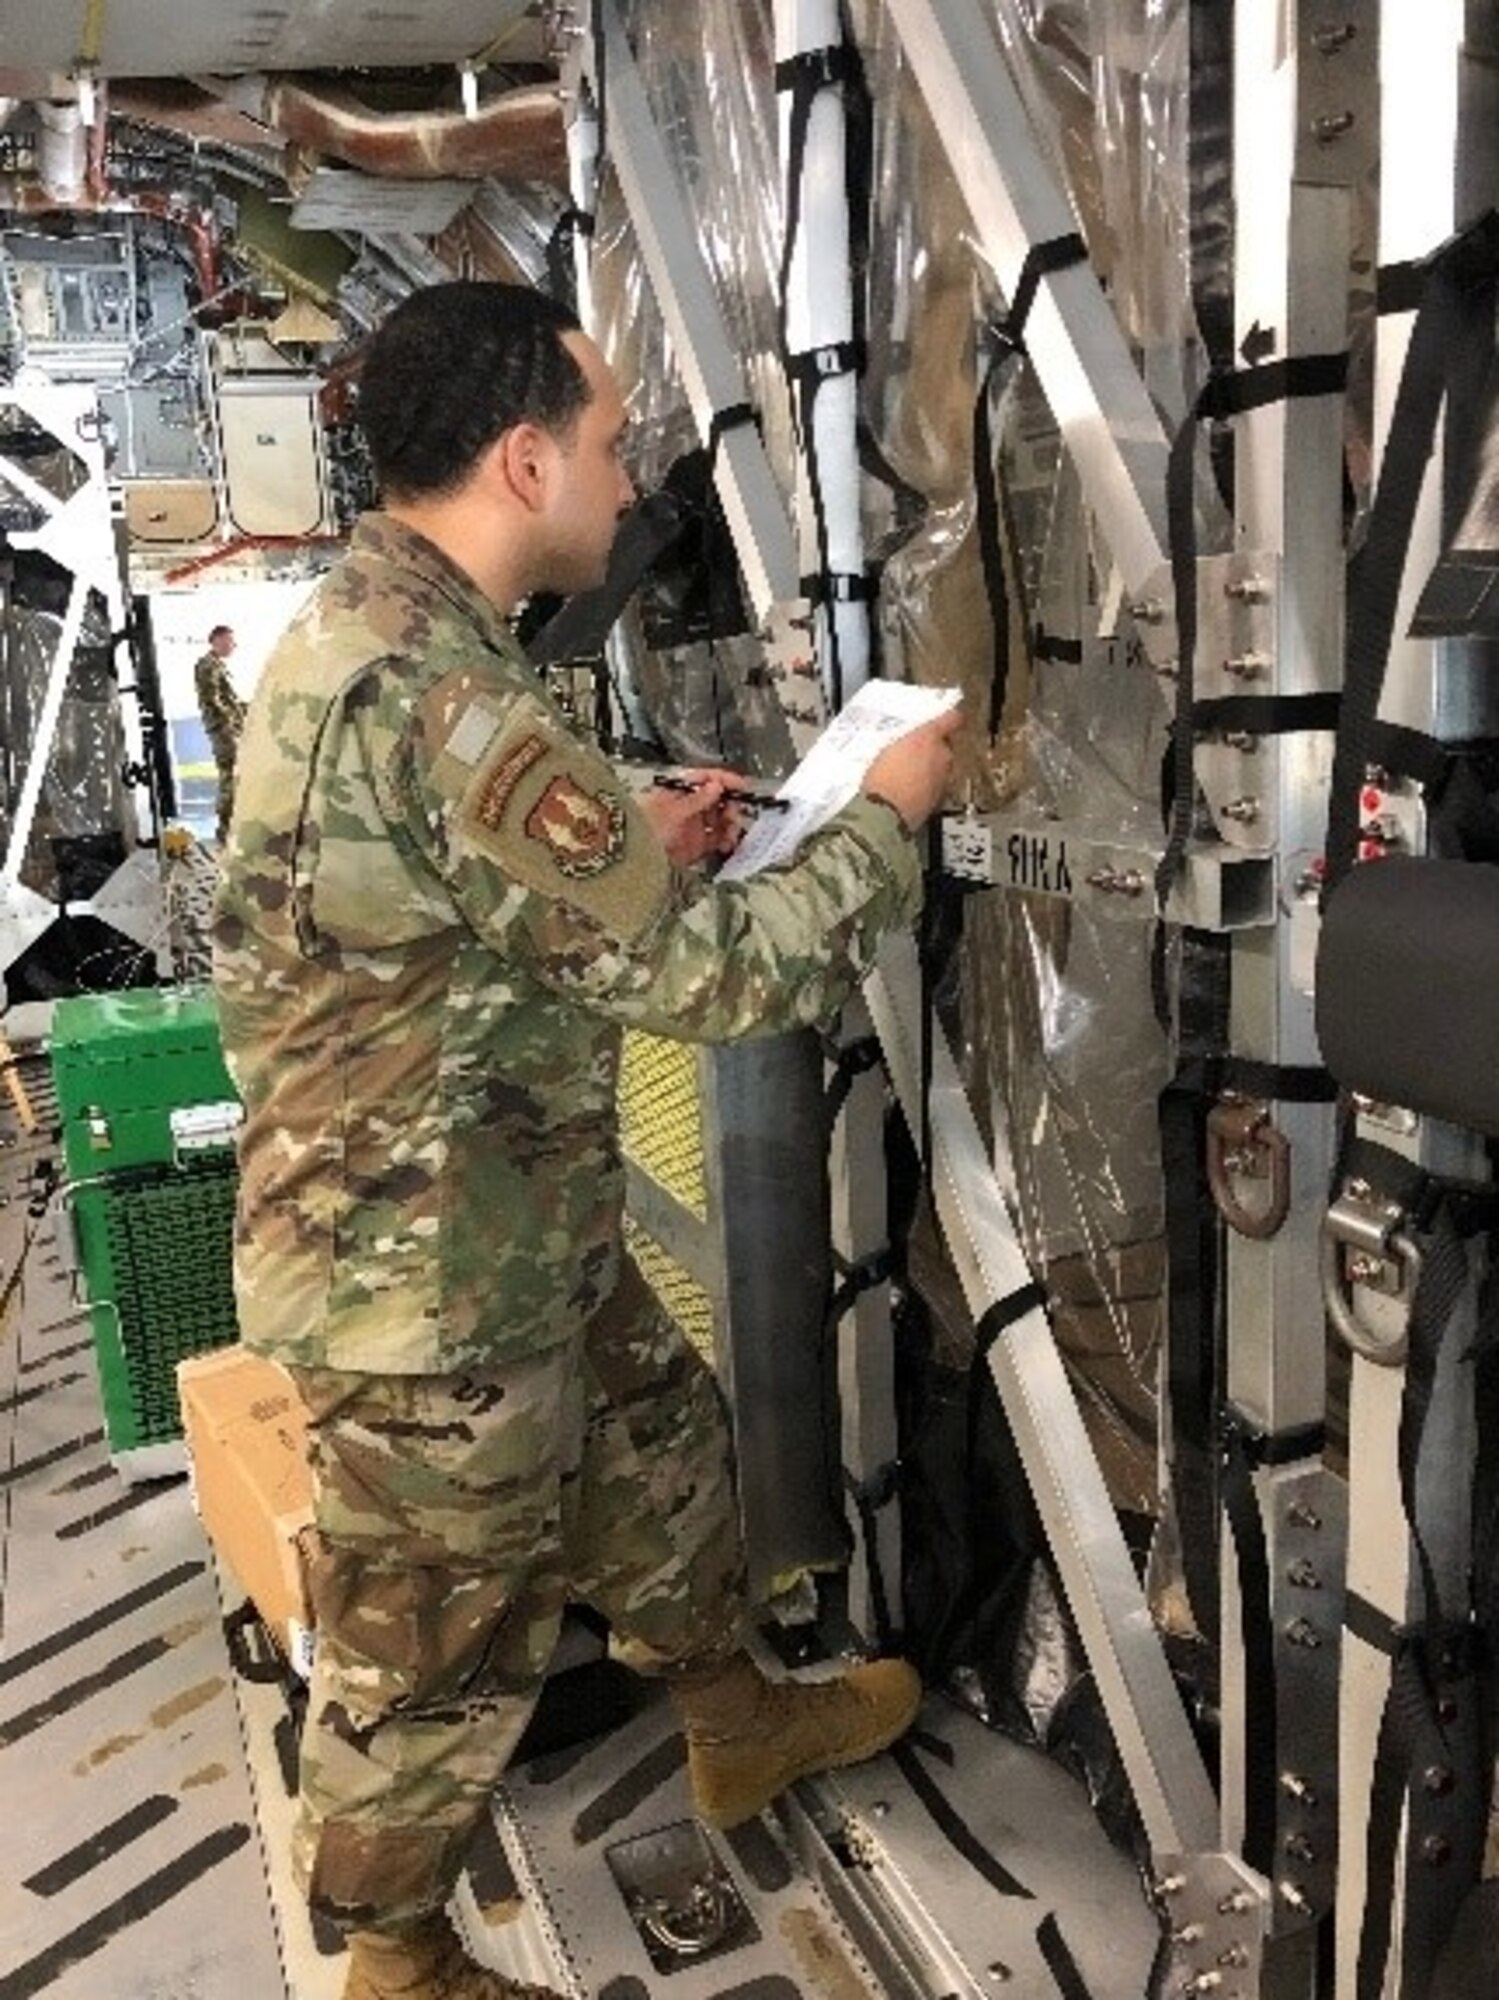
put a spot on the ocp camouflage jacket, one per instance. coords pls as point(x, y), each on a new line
point(439, 908)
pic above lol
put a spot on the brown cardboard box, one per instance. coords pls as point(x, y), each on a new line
point(246, 1437)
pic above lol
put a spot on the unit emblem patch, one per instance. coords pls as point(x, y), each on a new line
point(584, 832)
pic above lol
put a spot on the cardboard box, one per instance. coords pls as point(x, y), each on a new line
point(246, 1438)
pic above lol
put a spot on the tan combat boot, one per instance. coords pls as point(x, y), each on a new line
point(427, 1963)
point(748, 1738)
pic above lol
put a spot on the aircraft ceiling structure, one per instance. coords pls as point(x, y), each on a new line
point(145, 38)
point(461, 92)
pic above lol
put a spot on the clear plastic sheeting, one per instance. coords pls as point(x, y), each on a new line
point(711, 704)
point(1063, 1050)
point(985, 1617)
point(1051, 1008)
point(40, 459)
point(76, 834)
point(708, 76)
point(1106, 85)
point(629, 327)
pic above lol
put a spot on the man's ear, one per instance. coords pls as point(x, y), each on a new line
point(521, 459)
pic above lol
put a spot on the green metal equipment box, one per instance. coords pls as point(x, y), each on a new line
point(148, 1117)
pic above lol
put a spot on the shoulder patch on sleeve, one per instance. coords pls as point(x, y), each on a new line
point(584, 831)
point(552, 814)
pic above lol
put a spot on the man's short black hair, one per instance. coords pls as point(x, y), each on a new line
point(451, 368)
point(220, 632)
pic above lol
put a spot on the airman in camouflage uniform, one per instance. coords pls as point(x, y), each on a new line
point(439, 910)
point(223, 713)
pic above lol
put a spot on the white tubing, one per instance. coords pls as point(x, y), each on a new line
point(819, 313)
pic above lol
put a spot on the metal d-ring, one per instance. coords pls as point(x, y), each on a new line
point(1242, 1141)
point(1359, 1222)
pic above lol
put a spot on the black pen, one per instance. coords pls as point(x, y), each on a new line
point(732, 795)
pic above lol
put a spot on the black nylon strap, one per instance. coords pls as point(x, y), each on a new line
point(821, 364)
point(1420, 1721)
point(870, 1496)
point(729, 418)
point(1007, 341)
point(1003, 1313)
point(1060, 1963)
point(1210, 207)
point(861, 1276)
point(1193, 1338)
point(1277, 1083)
point(1287, 1447)
point(1257, 1637)
point(1410, 754)
point(1194, 1247)
point(1399, 1733)
point(1470, 1206)
point(571, 223)
point(1181, 531)
point(1232, 393)
point(811, 70)
point(1051, 646)
point(849, 1063)
point(600, 47)
point(1433, 1650)
point(1267, 714)
point(1399, 288)
point(1444, 1279)
point(926, 957)
point(987, 525)
point(838, 587)
point(1375, 1627)
point(910, 504)
point(1042, 260)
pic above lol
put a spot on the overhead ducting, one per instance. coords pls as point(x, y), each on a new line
point(516, 135)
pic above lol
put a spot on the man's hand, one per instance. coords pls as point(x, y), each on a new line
point(912, 773)
point(695, 823)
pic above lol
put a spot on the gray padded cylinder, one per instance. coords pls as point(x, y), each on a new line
point(1408, 987)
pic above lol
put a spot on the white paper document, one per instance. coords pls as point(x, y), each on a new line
point(833, 770)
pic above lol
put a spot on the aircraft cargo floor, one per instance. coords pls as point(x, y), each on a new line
point(146, 1808)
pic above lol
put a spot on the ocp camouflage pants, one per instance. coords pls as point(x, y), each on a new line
point(457, 1516)
point(225, 747)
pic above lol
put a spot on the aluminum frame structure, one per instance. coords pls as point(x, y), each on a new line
point(1217, 1906)
point(1308, 77)
point(1293, 236)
